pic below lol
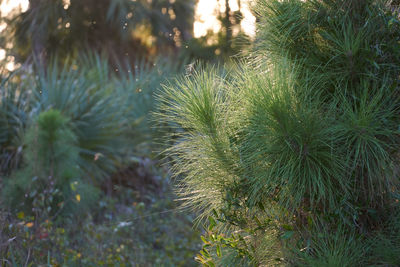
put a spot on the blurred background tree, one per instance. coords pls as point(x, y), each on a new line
point(230, 39)
point(122, 28)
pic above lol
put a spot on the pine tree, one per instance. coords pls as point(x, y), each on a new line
point(49, 183)
point(292, 156)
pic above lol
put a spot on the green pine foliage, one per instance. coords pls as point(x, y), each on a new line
point(50, 182)
point(342, 247)
point(305, 131)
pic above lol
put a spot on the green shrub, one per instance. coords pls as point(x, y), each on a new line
point(14, 109)
point(97, 114)
point(306, 130)
point(107, 109)
point(50, 182)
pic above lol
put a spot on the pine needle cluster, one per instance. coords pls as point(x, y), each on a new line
point(303, 136)
point(50, 182)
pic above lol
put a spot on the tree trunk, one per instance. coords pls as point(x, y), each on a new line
point(228, 23)
point(38, 36)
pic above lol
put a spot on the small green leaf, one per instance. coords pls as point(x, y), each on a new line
point(287, 227)
point(20, 215)
point(205, 241)
point(213, 223)
point(73, 185)
point(219, 253)
point(199, 258)
point(205, 253)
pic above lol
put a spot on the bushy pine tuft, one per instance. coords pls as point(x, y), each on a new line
point(303, 137)
point(49, 183)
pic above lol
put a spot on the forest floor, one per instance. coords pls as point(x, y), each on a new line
point(129, 228)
